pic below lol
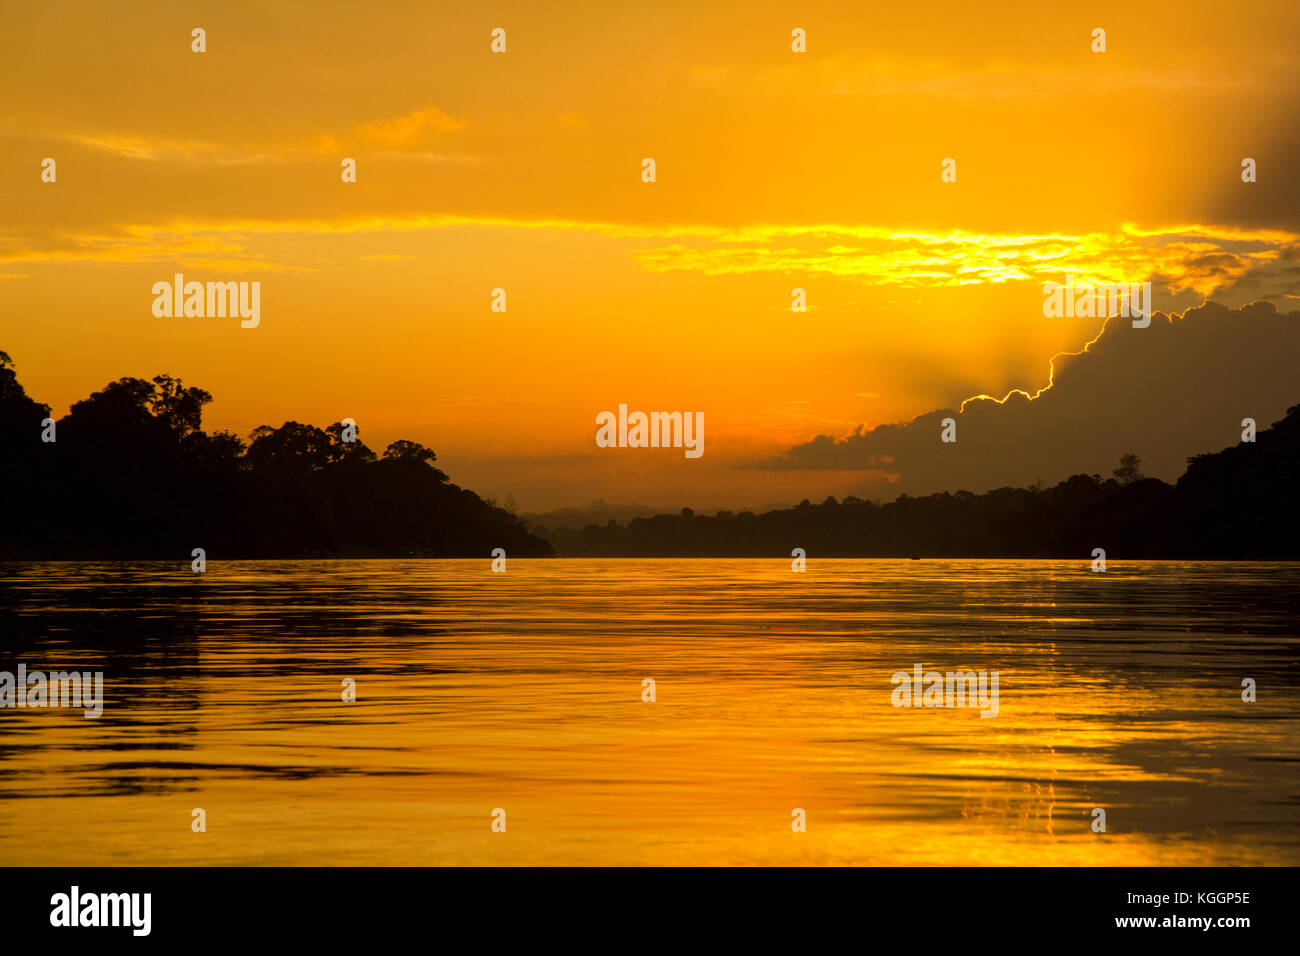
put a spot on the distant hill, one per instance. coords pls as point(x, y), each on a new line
point(1239, 503)
point(132, 474)
point(598, 512)
point(563, 526)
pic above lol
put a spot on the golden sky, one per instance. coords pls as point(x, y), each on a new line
point(522, 171)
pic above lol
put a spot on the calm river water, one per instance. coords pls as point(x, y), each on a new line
point(523, 692)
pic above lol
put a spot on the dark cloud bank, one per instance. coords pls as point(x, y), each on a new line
point(1178, 388)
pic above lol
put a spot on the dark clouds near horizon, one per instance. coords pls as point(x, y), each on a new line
point(1175, 389)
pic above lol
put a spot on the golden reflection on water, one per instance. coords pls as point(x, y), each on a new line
point(523, 691)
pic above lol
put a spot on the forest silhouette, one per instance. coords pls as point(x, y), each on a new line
point(1239, 503)
point(131, 474)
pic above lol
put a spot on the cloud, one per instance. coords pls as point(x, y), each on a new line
point(1202, 258)
point(405, 135)
point(410, 129)
point(1178, 388)
point(168, 150)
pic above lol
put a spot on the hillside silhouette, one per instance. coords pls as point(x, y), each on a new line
point(132, 474)
point(1239, 503)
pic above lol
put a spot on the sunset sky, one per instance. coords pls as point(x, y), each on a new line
point(522, 171)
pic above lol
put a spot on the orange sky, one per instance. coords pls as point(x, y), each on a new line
point(522, 171)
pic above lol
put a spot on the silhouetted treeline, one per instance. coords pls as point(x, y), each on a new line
point(1238, 503)
point(132, 474)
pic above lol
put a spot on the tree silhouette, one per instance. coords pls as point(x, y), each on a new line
point(132, 474)
point(293, 450)
point(403, 450)
point(180, 408)
point(349, 451)
point(1129, 470)
point(17, 411)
